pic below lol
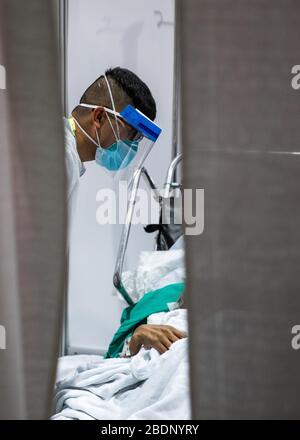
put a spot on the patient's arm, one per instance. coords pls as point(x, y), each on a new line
point(156, 336)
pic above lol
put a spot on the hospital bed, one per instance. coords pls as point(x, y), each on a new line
point(167, 233)
point(72, 368)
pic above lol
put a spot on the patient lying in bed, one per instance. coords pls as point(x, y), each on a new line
point(156, 285)
point(146, 386)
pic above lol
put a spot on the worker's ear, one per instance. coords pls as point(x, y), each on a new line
point(98, 116)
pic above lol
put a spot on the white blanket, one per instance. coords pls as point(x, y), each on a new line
point(147, 386)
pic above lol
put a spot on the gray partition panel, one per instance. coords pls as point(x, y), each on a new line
point(243, 287)
point(33, 209)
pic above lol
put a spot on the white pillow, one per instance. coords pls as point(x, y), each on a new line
point(155, 269)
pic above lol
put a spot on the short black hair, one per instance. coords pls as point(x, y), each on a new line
point(127, 88)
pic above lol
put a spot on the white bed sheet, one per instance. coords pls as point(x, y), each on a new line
point(67, 365)
point(147, 386)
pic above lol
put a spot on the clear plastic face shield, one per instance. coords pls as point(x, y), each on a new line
point(125, 181)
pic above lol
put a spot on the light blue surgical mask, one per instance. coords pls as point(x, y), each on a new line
point(117, 156)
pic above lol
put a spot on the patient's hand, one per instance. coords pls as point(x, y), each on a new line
point(160, 337)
